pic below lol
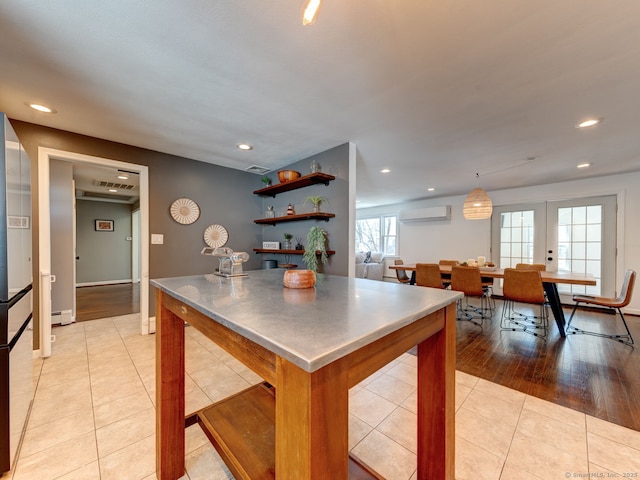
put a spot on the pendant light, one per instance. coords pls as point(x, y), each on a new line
point(310, 12)
point(477, 205)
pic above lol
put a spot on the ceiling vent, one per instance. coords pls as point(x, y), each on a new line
point(257, 169)
point(119, 186)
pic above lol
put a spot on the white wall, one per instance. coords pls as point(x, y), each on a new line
point(461, 239)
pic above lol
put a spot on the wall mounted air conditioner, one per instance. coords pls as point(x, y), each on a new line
point(428, 214)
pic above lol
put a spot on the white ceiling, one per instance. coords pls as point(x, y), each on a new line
point(435, 91)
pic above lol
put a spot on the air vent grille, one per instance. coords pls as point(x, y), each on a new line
point(257, 169)
point(120, 186)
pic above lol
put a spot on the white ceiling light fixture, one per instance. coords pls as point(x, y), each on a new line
point(123, 177)
point(385, 170)
point(113, 190)
point(477, 205)
point(431, 189)
point(244, 146)
point(42, 108)
point(589, 123)
point(310, 11)
point(583, 165)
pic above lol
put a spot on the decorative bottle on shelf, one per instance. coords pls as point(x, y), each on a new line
point(290, 210)
point(270, 213)
point(315, 167)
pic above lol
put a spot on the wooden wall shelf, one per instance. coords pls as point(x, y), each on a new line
point(305, 181)
point(293, 218)
point(288, 252)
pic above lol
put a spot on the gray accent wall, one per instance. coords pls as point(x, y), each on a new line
point(103, 257)
point(334, 162)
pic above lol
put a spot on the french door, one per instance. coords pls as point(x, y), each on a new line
point(576, 236)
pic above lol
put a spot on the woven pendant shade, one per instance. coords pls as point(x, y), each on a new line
point(478, 205)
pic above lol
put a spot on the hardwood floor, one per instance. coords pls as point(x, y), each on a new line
point(597, 376)
point(103, 301)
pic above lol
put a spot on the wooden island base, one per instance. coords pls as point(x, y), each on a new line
point(242, 430)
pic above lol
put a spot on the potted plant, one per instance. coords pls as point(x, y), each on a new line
point(287, 241)
point(266, 180)
point(316, 246)
point(316, 200)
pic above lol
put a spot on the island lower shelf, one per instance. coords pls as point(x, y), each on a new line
point(242, 430)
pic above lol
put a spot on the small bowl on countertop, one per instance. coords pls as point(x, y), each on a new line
point(299, 279)
point(288, 175)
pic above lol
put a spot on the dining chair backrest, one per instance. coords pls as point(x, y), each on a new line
point(401, 275)
point(627, 290)
point(428, 275)
point(523, 285)
point(531, 266)
point(467, 280)
point(448, 262)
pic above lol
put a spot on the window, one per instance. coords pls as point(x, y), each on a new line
point(377, 234)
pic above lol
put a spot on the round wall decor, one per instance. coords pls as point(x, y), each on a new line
point(216, 236)
point(185, 211)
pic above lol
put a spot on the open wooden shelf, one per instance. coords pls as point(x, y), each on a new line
point(288, 252)
point(294, 218)
point(242, 430)
point(305, 181)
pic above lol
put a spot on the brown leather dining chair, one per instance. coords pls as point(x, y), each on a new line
point(467, 280)
point(401, 275)
point(446, 278)
point(428, 275)
point(541, 267)
point(615, 304)
point(522, 285)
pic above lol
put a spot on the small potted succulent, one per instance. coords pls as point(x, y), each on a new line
point(315, 200)
point(266, 181)
point(287, 241)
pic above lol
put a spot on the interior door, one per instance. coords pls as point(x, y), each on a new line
point(576, 236)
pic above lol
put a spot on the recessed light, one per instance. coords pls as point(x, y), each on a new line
point(431, 189)
point(385, 170)
point(589, 123)
point(244, 146)
point(113, 190)
point(123, 177)
point(42, 108)
point(583, 165)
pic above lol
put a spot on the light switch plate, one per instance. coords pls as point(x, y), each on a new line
point(157, 238)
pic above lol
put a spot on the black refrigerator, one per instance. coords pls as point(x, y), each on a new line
point(16, 333)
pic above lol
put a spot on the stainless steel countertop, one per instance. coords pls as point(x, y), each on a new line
point(309, 327)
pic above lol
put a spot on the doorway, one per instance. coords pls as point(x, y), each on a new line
point(576, 236)
point(45, 155)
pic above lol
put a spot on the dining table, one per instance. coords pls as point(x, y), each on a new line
point(550, 281)
point(310, 346)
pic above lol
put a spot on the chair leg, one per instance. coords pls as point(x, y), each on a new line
point(536, 328)
point(471, 313)
point(622, 338)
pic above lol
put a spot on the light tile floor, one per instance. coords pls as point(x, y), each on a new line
point(93, 417)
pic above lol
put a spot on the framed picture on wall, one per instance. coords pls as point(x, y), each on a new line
point(104, 225)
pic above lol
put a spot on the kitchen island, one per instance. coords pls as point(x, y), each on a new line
point(310, 346)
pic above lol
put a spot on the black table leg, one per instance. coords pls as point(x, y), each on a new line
point(551, 289)
point(413, 278)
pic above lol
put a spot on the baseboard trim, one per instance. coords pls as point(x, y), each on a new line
point(104, 282)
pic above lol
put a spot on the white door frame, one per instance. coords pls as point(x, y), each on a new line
point(44, 268)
